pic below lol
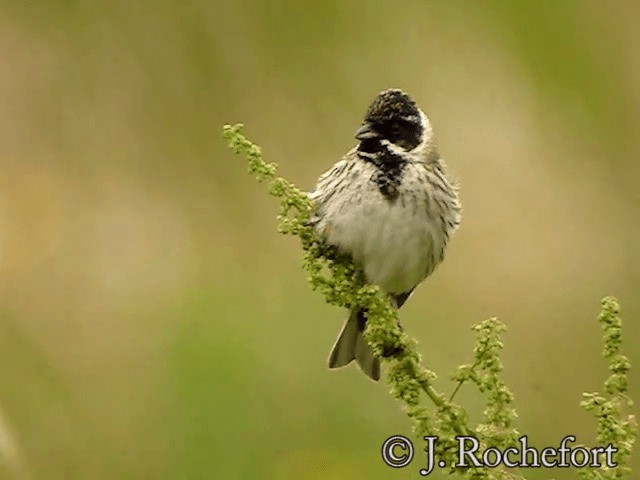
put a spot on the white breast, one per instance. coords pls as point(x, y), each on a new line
point(396, 243)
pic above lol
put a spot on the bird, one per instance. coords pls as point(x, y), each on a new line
point(390, 205)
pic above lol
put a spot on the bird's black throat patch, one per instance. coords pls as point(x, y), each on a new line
point(389, 167)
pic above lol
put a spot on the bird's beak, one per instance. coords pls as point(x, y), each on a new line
point(365, 132)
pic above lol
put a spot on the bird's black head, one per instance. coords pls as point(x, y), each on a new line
point(395, 117)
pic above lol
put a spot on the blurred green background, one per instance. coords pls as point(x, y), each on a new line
point(153, 325)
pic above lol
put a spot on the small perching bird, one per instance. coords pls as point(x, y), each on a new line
point(389, 205)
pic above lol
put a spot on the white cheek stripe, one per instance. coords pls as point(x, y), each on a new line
point(426, 133)
point(393, 148)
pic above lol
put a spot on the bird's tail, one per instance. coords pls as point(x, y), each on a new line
point(351, 345)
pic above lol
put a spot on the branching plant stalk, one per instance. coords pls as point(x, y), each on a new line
point(342, 284)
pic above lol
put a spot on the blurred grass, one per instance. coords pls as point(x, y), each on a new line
point(153, 323)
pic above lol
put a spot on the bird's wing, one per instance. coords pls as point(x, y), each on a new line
point(325, 186)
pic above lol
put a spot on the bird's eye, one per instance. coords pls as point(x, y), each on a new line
point(395, 128)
